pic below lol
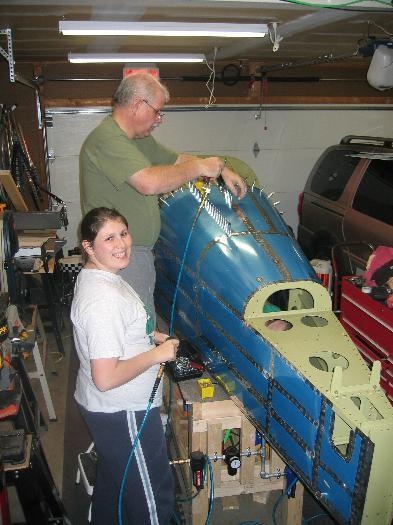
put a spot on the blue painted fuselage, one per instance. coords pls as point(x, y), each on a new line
point(225, 270)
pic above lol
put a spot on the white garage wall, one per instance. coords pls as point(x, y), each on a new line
point(289, 140)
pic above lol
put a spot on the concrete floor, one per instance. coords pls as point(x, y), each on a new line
point(68, 436)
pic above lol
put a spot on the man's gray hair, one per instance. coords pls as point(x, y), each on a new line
point(141, 85)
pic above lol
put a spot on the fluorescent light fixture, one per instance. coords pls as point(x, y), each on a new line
point(85, 58)
point(90, 27)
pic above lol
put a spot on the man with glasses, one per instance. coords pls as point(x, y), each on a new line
point(122, 166)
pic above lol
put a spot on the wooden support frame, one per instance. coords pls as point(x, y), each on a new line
point(199, 425)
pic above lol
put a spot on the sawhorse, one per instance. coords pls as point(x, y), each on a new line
point(37, 328)
point(39, 373)
point(31, 345)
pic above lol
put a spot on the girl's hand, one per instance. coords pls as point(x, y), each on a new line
point(159, 337)
point(167, 349)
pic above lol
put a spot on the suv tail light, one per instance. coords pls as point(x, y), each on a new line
point(300, 204)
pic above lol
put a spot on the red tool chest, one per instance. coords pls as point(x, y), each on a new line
point(370, 325)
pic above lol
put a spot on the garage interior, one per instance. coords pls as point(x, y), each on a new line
point(275, 103)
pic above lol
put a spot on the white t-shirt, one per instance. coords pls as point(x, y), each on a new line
point(110, 320)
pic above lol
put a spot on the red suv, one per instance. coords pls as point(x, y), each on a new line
point(348, 197)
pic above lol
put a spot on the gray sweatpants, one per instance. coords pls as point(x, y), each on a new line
point(141, 275)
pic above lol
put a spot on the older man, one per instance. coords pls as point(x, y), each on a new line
point(122, 166)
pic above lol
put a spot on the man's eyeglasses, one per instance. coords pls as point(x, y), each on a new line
point(158, 112)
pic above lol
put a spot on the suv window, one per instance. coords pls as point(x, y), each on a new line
point(374, 196)
point(333, 173)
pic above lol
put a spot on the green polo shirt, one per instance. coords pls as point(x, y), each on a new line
point(107, 158)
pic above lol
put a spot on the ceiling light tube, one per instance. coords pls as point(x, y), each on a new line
point(90, 27)
point(85, 58)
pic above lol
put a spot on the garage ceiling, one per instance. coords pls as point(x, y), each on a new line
point(307, 31)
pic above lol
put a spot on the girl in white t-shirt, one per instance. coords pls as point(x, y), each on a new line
point(120, 355)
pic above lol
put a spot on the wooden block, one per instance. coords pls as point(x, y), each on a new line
point(197, 441)
point(215, 409)
point(230, 503)
point(261, 497)
point(291, 509)
point(200, 425)
point(12, 191)
point(213, 442)
point(247, 474)
point(196, 410)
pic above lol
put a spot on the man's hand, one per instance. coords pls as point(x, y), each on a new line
point(214, 167)
point(235, 184)
point(210, 167)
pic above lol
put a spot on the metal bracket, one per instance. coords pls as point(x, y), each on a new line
point(8, 55)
